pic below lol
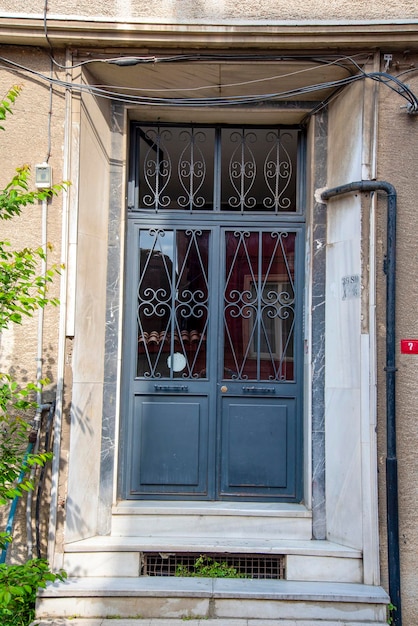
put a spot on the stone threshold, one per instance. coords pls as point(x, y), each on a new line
point(185, 507)
point(212, 544)
point(216, 588)
point(154, 621)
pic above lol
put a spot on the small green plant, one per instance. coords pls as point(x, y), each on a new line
point(18, 587)
point(206, 567)
point(390, 609)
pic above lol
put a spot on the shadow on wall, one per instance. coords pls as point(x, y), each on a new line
point(68, 507)
point(29, 524)
point(31, 520)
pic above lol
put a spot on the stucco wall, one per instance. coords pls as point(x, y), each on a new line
point(25, 140)
point(397, 163)
point(183, 10)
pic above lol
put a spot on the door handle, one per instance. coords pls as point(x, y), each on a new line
point(259, 390)
point(174, 389)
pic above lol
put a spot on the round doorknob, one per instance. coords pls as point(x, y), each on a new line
point(224, 388)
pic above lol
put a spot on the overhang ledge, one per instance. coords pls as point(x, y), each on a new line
point(63, 32)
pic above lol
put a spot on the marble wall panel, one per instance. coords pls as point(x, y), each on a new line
point(343, 317)
point(90, 259)
point(88, 358)
point(317, 245)
point(343, 452)
point(83, 479)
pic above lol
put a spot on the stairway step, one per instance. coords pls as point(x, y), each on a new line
point(212, 519)
point(122, 556)
point(209, 599)
point(200, 622)
point(108, 543)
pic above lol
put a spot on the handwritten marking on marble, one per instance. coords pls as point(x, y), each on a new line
point(351, 287)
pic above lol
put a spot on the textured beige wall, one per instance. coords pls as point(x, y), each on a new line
point(397, 163)
point(183, 10)
point(25, 140)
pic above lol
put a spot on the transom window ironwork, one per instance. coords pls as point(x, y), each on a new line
point(219, 169)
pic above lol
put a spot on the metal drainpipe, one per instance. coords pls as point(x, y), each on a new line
point(391, 460)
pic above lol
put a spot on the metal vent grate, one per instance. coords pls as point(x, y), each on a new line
point(259, 566)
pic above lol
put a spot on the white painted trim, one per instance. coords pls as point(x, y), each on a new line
point(53, 557)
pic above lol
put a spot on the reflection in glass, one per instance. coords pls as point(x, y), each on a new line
point(172, 311)
point(259, 305)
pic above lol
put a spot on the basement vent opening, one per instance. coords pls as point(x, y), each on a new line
point(258, 566)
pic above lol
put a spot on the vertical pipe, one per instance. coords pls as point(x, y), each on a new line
point(391, 459)
point(62, 330)
point(39, 370)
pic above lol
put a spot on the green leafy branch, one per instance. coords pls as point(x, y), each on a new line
point(8, 100)
point(14, 464)
point(23, 290)
point(18, 588)
point(17, 195)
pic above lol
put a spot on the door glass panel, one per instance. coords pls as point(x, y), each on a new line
point(259, 305)
point(172, 303)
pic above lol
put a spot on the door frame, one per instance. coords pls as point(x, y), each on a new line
point(207, 219)
point(214, 399)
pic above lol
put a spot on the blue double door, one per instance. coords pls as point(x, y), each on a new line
point(213, 360)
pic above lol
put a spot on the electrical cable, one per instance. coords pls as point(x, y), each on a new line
point(50, 116)
point(51, 53)
point(124, 61)
point(223, 86)
point(384, 78)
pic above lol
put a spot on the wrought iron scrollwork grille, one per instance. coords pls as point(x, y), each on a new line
point(259, 305)
point(215, 169)
point(172, 309)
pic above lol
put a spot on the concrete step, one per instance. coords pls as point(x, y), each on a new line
point(199, 622)
point(230, 602)
point(122, 556)
point(251, 520)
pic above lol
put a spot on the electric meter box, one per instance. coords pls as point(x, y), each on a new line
point(43, 176)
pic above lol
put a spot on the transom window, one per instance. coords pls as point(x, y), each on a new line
point(196, 168)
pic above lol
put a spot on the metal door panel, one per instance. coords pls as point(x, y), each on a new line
point(258, 447)
point(169, 445)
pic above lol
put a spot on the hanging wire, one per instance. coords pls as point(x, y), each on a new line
point(113, 93)
point(51, 53)
point(388, 80)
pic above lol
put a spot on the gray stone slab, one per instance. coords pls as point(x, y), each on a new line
point(217, 588)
